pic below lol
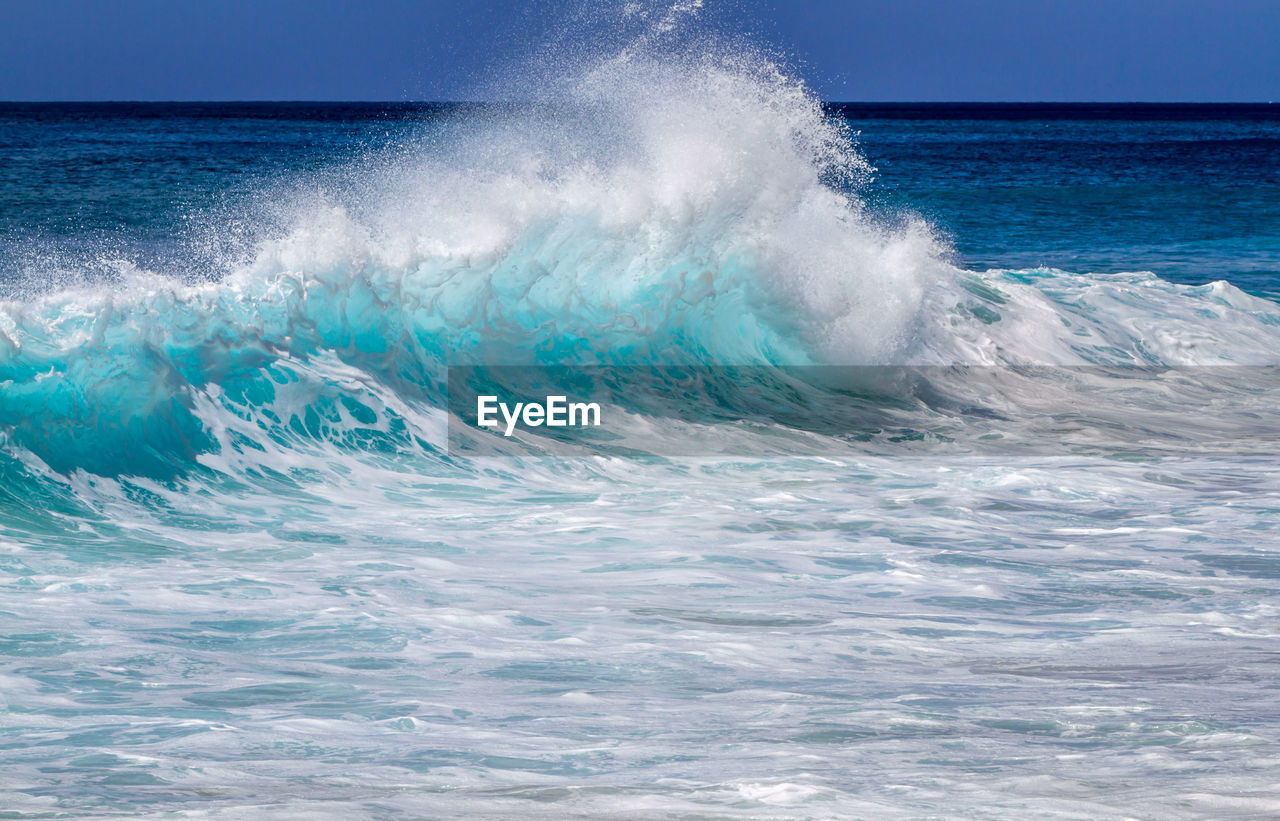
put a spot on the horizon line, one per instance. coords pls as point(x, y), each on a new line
point(282, 101)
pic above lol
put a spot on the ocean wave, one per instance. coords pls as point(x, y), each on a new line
point(665, 210)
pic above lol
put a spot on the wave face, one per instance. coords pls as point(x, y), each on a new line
point(244, 544)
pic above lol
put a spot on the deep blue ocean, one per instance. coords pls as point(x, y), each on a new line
point(940, 478)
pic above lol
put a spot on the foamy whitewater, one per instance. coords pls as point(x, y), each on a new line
point(922, 540)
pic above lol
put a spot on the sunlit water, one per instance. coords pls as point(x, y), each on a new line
point(247, 571)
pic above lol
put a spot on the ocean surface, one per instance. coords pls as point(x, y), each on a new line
point(941, 478)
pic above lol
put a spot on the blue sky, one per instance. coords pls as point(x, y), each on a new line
point(1157, 50)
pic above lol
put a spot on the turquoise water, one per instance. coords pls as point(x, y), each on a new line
point(940, 478)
